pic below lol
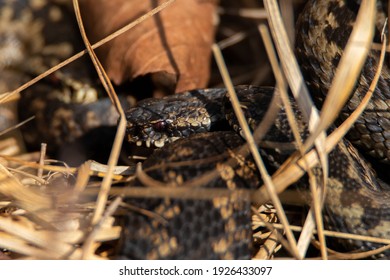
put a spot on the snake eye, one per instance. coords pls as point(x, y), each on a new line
point(160, 126)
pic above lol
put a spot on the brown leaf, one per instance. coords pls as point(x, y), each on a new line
point(174, 45)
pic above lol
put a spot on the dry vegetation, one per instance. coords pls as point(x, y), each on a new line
point(43, 216)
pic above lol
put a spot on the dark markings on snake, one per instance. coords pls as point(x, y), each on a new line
point(357, 200)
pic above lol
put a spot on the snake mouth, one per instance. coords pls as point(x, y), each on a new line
point(152, 143)
point(147, 136)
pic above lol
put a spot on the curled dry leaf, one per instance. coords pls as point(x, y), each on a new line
point(174, 46)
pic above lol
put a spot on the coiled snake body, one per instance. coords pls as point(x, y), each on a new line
point(357, 201)
point(218, 227)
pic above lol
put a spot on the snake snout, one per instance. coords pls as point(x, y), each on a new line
point(154, 134)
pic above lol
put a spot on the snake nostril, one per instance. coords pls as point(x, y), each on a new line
point(133, 130)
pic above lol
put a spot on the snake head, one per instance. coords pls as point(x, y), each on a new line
point(155, 122)
point(154, 131)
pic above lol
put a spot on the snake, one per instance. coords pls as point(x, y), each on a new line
point(357, 200)
point(192, 135)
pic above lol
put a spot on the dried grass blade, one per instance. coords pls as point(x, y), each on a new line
point(3, 132)
point(301, 94)
point(114, 155)
point(22, 247)
point(330, 233)
point(304, 239)
point(293, 75)
point(44, 240)
point(93, 236)
point(349, 69)
point(26, 198)
point(253, 148)
point(269, 247)
point(6, 96)
point(294, 172)
point(77, 236)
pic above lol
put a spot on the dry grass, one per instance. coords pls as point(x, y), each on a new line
point(66, 223)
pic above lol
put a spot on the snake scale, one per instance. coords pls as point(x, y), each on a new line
point(214, 227)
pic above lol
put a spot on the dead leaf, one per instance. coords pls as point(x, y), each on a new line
point(174, 46)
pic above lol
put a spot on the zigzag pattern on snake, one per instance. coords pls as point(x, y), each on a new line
point(356, 202)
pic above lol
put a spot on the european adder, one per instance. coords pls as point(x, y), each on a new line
point(216, 227)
